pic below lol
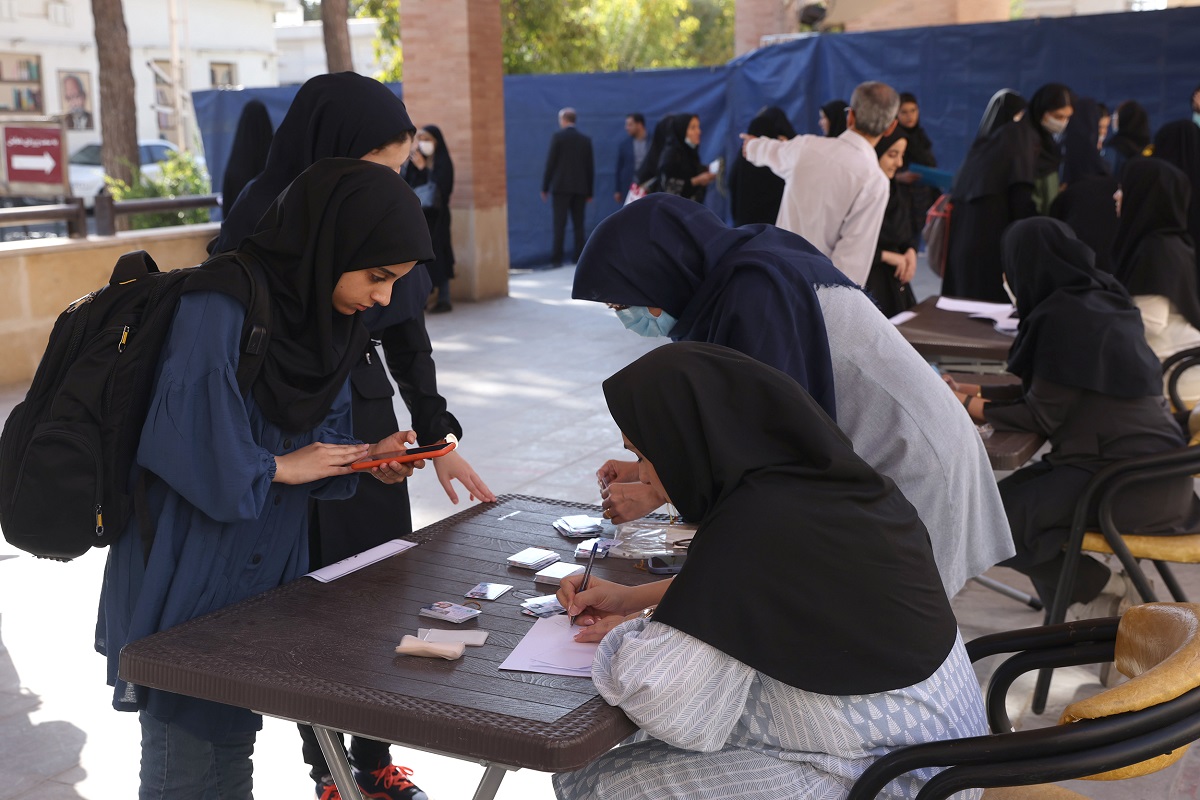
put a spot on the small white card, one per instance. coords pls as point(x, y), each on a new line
point(450, 612)
point(533, 558)
point(487, 591)
point(554, 573)
point(364, 559)
point(472, 638)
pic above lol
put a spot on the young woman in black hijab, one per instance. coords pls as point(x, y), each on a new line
point(1130, 136)
point(1050, 111)
point(1178, 143)
point(919, 150)
point(431, 163)
point(647, 174)
point(1086, 201)
point(756, 192)
point(680, 171)
point(993, 188)
point(896, 253)
point(248, 157)
point(236, 473)
point(350, 115)
point(831, 117)
point(745, 452)
point(1093, 387)
point(1156, 261)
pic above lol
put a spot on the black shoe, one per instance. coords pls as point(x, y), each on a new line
point(389, 783)
point(440, 308)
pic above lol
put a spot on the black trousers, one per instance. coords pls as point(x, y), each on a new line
point(366, 755)
point(575, 204)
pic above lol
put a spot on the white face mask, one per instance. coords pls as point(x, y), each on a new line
point(426, 147)
point(1053, 126)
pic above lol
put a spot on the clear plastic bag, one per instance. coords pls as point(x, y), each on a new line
point(642, 538)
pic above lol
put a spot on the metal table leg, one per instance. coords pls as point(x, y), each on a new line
point(339, 766)
point(489, 784)
point(1008, 591)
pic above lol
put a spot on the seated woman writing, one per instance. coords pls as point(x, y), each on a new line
point(673, 268)
point(1092, 386)
point(804, 539)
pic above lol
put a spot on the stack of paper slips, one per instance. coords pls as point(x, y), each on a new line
point(533, 558)
point(545, 606)
point(554, 573)
point(579, 525)
point(584, 549)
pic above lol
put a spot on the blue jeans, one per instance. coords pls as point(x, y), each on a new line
point(178, 766)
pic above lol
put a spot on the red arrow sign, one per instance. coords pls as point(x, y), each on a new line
point(34, 155)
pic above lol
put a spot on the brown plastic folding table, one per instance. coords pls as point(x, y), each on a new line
point(323, 653)
point(937, 334)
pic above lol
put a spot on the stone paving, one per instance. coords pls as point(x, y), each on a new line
point(523, 375)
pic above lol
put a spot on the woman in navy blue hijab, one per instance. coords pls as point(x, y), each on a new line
point(667, 253)
point(672, 268)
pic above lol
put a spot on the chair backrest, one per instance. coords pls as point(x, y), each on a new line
point(1158, 649)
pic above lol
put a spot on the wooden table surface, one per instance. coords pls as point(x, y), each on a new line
point(324, 652)
point(935, 333)
point(1007, 450)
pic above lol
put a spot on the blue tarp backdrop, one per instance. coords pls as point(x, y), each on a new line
point(1151, 56)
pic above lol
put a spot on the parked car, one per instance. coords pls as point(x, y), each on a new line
point(87, 170)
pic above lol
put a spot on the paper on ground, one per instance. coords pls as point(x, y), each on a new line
point(360, 560)
point(550, 648)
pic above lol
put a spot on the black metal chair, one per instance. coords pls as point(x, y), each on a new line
point(1101, 493)
point(1173, 368)
point(1133, 729)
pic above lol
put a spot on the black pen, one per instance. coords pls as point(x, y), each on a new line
point(587, 573)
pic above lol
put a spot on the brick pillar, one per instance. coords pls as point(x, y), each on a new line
point(454, 78)
point(754, 19)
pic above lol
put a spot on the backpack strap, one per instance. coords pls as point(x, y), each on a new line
point(256, 330)
point(132, 266)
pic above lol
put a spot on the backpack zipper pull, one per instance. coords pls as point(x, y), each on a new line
point(99, 520)
point(121, 344)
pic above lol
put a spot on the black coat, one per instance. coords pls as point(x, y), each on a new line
point(570, 168)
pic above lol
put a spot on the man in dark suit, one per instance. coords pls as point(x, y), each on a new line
point(570, 173)
point(630, 154)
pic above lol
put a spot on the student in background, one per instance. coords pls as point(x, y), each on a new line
point(680, 170)
point(430, 163)
point(631, 152)
point(755, 192)
point(896, 255)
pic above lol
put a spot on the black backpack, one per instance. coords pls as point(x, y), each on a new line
point(67, 451)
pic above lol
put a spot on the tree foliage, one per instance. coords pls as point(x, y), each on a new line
point(543, 36)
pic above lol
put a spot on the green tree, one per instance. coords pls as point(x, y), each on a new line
point(548, 36)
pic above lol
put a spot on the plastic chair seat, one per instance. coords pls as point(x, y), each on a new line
point(1181, 549)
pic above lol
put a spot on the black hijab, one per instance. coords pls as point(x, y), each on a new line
point(751, 288)
point(1078, 325)
point(1155, 254)
point(1049, 97)
point(1081, 158)
point(1003, 155)
point(340, 215)
point(658, 140)
point(1004, 105)
point(755, 193)
point(1087, 205)
point(835, 112)
point(897, 229)
point(1133, 129)
point(332, 116)
point(1178, 143)
point(810, 539)
point(248, 157)
point(679, 158)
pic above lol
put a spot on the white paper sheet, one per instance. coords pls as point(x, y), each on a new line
point(902, 317)
point(963, 306)
point(550, 648)
point(360, 560)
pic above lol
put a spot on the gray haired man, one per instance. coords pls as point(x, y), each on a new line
point(834, 193)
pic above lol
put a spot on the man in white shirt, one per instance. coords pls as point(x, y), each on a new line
point(835, 194)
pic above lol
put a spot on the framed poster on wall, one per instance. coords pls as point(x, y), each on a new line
point(75, 93)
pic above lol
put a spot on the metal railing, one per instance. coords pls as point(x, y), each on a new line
point(71, 212)
point(107, 210)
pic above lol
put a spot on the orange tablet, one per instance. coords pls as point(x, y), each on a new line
point(405, 456)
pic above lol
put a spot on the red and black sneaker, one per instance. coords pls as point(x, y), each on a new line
point(388, 783)
point(327, 791)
